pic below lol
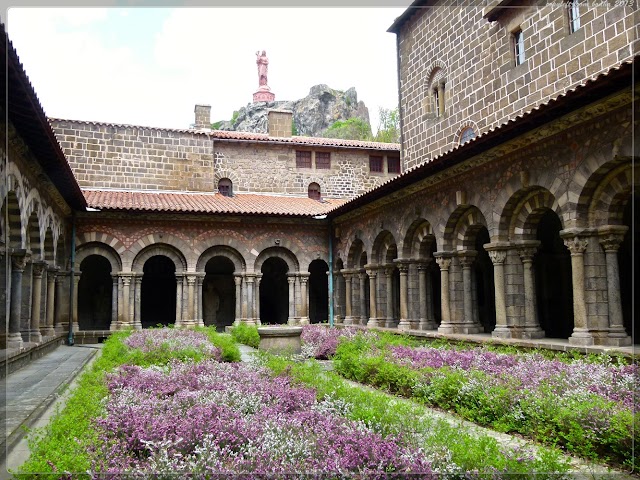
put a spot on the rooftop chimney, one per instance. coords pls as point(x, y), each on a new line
point(203, 117)
point(280, 123)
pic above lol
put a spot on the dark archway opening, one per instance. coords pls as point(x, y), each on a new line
point(552, 267)
point(158, 302)
point(274, 292)
point(627, 265)
point(318, 291)
point(485, 288)
point(95, 290)
point(218, 293)
point(434, 283)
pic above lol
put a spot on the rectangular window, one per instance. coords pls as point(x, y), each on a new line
point(375, 164)
point(303, 159)
point(518, 46)
point(323, 160)
point(393, 164)
point(574, 16)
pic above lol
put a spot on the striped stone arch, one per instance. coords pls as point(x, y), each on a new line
point(461, 227)
point(466, 124)
point(385, 248)
point(280, 252)
point(100, 237)
point(185, 250)
point(611, 196)
point(32, 202)
point(226, 173)
point(437, 70)
point(33, 234)
point(418, 239)
point(163, 249)
point(49, 247)
point(101, 249)
point(338, 263)
point(356, 249)
point(60, 253)
point(526, 215)
point(14, 229)
point(230, 253)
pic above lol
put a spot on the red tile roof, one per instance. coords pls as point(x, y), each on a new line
point(239, 204)
point(256, 137)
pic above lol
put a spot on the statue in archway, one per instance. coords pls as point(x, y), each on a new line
point(211, 304)
point(263, 67)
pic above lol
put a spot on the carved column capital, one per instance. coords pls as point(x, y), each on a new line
point(576, 245)
point(497, 256)
point(423, 266)
point(291, 278)
point(443, 262)
point(237, 279)
point(19, 260)
point(250, 277)
point(467, 257)
point(611, 236)
point(403, 265)
point(39, 268)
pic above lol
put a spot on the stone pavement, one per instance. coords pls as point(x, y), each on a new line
point(31, 395)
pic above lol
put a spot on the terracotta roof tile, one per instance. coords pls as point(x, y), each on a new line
point(239, 204)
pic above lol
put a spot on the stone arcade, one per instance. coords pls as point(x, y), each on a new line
point(511, 217)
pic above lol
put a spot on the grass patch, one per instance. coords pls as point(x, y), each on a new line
point(246, 334)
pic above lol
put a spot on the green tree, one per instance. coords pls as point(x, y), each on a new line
point(350, 129)
point(389, 126)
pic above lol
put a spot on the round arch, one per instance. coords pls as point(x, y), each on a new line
point(33, 235)
point(462, 227)
point(162, 249)
point(356, 250)
point(385, 248)
point(418, 239)
point(100, 249)
point(611, 195)
point(528, 211)
point(285, 254)
point(162, 240)
point(221, 251)
point(11, 210)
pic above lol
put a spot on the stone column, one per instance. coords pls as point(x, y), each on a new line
point(292, 299)
point(363, 297)
point(581, 335)
point(137, 302)
point(191, 300)
point(498, 258)
point(249, 283)
point(467, 257)
point(257, 299)
point(237, 279)
point(199, 310)
point(47, 330)
point(610, 238)
point(373, 285)
point(74, 306)
point(36, 299)
point(390, 321)
point(531, 324)
point(404, 324)
point(61, 316)
point(348, 316)
point(18, 264)
point(427, 320)
point(304, 299)
point(126, 289)
point(444, 262)
point(179, 291)
point(115, 320)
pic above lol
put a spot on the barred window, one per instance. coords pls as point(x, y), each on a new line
point(393, 164)
point(518, 46)
point(323, 160)
point(375, 163)
point(303, 159)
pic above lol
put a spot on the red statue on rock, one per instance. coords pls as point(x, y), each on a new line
point(264, 92)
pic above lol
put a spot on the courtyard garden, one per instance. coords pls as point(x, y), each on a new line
point(175, 403)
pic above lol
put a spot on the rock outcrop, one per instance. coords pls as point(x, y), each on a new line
point(312, 115)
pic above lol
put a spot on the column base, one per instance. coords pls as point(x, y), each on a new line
point(414, 324)
point(292, 321)
point(35, 336)
point(47, 332)
point(14, 340)
point(390, 323)
point(459, 328)
point(531, 333)
point(303, 321)
point(581, 337)
point(373, 322)
point(348, 321)
point(337, 320)
point(502, 332)
point(424, 324)
point(404, 324)
point(248, 321)
point(618, 339)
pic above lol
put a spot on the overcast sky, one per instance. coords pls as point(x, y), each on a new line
point(150, 66)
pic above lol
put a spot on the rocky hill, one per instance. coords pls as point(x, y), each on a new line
point(311, 115)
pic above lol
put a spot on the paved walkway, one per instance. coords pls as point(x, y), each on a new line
point(34, 392)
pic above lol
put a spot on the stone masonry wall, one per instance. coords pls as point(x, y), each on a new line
point(483, 86)
point(130, 157)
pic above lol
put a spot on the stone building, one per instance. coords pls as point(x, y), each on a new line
point(514, 215)
point(508, 214)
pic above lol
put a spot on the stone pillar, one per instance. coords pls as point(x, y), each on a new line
point(199, 309)
point(444, 262)
point(237, 279)
point(36, 299)
point(115, 321)
point(498, 258)
point(581, 335)
point(47, 330)
point(610, 238)
point(348, 316)
point(404, 324)
point(373, 285)
point(249, 283)
point(427, 320)
point(304, 299)
point(191, 300)
point(257, 299)
point(363, 297)
point(390, 321)
point(179, 291)
point(292, 299)
point(531, 324)
point(18, 264)
point(467, 257)
point(126, 290)
point(74, 306)
point(137, 302)
point(61, 316)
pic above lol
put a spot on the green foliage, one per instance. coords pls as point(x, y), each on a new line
point(217, 125)
point(234, 117)
point(389, 126)
point(246, 334)
point(224, 341)
point(294, 129)
point(350, 129)
point(446, 443)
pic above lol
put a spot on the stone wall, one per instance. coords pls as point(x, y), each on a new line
point(130, 157)
point(483, 88)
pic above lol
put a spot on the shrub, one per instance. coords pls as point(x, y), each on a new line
point(246, 334)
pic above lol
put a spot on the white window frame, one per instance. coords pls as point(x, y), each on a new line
point(573, 8)
point(518, 46)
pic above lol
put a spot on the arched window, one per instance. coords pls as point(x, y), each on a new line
point(466, 135)
point(225, 187)
point(314, 191)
